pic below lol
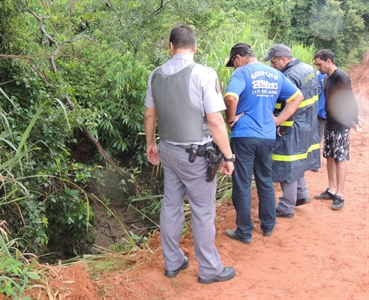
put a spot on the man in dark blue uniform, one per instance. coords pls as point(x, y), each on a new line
point(297, 147)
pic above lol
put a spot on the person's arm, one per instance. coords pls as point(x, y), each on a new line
point(231, 104)
point(236, 86)
point(150, 128)
point(355, 109)
point(286, 126)
point(355, 123)
point(220, 135)
point(289, 109)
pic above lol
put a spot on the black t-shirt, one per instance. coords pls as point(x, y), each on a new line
point(341, 105)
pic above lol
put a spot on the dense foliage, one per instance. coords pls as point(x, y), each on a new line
point(72, 88)
point(338, 25)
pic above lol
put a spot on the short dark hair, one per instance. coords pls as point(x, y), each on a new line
point(182, 36)
point(324, 55)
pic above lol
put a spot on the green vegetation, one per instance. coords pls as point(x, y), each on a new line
point(16, 271)
point(338, 25)
point(73, 77)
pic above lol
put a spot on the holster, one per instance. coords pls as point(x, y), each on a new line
point(214, 158)
point(212, 154)
point(196, 150)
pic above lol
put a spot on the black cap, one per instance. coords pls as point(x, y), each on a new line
point(241, 49)
point(278, 50)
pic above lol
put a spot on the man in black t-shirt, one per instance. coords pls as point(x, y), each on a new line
point(342, 114)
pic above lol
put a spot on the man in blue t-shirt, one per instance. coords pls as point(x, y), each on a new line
point(250, 98)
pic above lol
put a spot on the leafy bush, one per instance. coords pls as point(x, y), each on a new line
point(16, 272)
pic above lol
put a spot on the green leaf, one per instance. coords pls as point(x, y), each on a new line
point(33, 275)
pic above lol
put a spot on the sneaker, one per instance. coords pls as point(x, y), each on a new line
point(326, 195)
point(337, 202)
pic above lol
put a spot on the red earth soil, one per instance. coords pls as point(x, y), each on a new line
point(318, 254)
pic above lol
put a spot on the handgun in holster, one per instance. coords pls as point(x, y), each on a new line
point(214, 158)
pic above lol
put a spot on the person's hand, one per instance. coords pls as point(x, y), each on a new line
point(227, 168)
point(357, 126)
point(236, 118)
point(152, 154)
point(279, 131)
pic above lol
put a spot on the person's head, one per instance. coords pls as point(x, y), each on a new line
point(182, 39)
point(324, 61)
point(279, 56)
point(241, 54)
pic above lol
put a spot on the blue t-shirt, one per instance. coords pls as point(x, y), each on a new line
point(321, 102)
point(257, 88)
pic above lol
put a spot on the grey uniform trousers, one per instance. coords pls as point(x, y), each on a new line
point(291, 193)
point(182, 178)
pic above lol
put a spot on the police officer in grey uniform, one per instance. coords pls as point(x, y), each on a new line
point(186, 101)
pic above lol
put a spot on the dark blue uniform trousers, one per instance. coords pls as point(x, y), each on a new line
point(253, 156)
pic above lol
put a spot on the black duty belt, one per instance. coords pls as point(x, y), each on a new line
point(200, 150)
point(212, 154)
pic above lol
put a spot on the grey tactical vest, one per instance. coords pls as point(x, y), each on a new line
point(178, 119)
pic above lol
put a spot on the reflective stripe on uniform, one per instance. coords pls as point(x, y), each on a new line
point(304, 103)
point(288, 123)
point(278, 105)
point(294, 157)
point(309, 101)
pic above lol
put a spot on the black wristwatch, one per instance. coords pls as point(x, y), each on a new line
point(231, 159)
